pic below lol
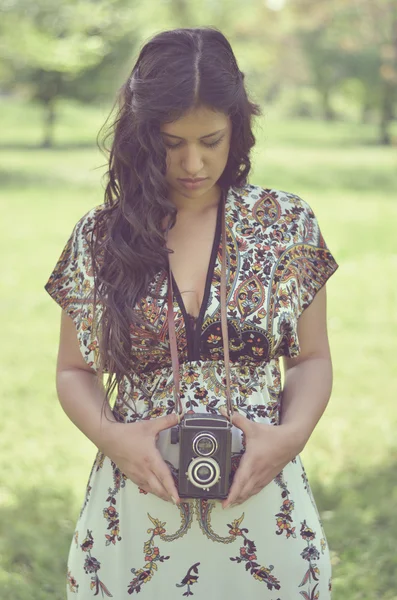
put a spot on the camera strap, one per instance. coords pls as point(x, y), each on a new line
point(225, 337)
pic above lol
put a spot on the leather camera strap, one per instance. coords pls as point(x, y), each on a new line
point(225, 337)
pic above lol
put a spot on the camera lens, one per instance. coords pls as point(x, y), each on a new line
point(203, 472)
point(205, 444)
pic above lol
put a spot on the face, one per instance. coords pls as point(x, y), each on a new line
point(197, 147)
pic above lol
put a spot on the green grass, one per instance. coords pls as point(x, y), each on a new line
point(351, 458)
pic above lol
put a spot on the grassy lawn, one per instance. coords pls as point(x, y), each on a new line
point(351, 458)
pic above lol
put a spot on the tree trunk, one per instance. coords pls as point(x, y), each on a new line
point(386, 114)
point(366, 112)
point(328, 112)
point(49, 120)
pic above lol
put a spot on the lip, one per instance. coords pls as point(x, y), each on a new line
point(192, 184)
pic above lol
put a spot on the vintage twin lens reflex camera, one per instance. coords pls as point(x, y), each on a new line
point(205, 449)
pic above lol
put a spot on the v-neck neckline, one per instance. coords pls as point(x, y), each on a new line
point(193, 336)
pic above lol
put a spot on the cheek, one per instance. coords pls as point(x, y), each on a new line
point(217, 159)
point(170, 162)
point(223, 157)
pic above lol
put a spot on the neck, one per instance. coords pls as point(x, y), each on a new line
point(197, 206)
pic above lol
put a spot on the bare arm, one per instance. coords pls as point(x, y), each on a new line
point(80, 391)
point(308, 377)
point(131, 446)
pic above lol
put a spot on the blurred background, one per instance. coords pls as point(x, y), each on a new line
point(325, 74)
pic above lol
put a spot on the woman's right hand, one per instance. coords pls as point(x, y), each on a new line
point(132, 446)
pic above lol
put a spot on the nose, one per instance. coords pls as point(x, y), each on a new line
point(192, 162)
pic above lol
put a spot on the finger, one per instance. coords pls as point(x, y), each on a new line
point(155, 487)
point(232, 497)
point(241, 422)
point(240, 479)
point(163, 474)
point(238, 419)
point(245, 492)
point(161, 423)
point(238, 485)
point(250, 489)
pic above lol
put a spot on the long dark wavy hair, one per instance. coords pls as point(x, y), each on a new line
point(176, 71)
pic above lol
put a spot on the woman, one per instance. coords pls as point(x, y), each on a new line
point(184, 114)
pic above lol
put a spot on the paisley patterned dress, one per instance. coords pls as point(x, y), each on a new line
point(273, 546)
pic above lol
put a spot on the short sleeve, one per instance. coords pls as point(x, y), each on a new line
point(303, 269)
point(315, 263)
point(71, 282)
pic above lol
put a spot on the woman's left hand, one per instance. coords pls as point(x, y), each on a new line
point(268, 450)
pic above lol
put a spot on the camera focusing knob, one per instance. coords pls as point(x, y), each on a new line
point(175, 435)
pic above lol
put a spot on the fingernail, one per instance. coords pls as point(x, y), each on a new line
point(174, 501)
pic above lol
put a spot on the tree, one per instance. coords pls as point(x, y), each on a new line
point(68, 48)
point(360, 39)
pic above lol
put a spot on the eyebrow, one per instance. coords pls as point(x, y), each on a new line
point(202, 137)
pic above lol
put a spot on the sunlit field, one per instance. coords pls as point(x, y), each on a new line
point(351, 458)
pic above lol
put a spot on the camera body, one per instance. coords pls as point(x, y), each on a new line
point(205, 449)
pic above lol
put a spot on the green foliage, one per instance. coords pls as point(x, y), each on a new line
point(69, 49)
point(65, 37)
point(35, 533)
point(351, 458)
point(84, 50)
point(358, 514)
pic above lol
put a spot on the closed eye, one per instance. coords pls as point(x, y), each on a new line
point(213, 145)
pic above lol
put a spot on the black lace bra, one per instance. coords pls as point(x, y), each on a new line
point(192, 320)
